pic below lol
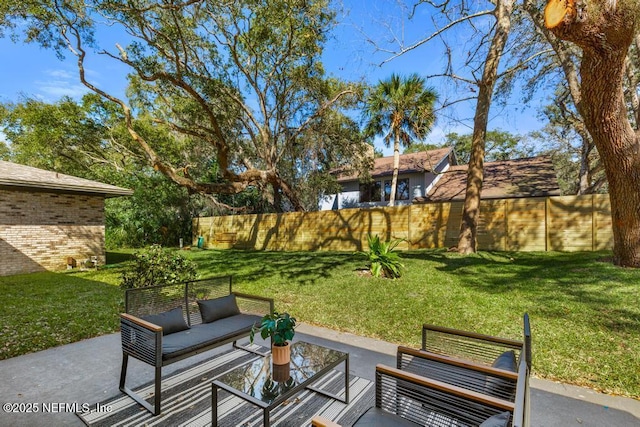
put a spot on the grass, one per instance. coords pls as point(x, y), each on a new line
point(585, 313)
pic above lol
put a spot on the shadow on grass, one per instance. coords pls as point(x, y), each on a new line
point(303, 268)
point(552, 282)
point(118, 257)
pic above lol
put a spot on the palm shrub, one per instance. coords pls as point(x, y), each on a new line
point(382, 258)
point(158, 266)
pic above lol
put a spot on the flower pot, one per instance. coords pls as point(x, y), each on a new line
point(281, 354)
point(281, 373)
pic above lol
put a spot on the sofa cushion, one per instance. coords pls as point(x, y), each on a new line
point(206, 334)
point(218, 308)
point(495, 386)
point(171, 321)
point(376, 417)
point(498, 420)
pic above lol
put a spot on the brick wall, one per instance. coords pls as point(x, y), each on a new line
point(39, 230)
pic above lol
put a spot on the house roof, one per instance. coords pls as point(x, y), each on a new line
point(409, 163)
point(13, 175)
point(529, 177)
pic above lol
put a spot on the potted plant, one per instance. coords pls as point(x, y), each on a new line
point(280, 327)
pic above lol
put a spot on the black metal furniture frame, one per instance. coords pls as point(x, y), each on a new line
point(267, 407)
point(143, 340)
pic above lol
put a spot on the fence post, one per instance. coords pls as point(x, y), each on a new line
point(546, 223)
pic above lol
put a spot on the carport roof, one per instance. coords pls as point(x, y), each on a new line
point(13, 175)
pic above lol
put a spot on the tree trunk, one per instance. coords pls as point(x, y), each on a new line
point(467, 241)
point(606, 118)
point(605, 37)
point(396, 166)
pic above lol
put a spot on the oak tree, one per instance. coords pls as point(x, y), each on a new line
point(605, 31)
point(242, 80)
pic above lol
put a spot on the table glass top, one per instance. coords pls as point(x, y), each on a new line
point(266, 382)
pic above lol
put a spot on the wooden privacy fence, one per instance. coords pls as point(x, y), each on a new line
point(559, 223)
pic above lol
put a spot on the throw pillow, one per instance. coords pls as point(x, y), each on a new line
point(218, 308)
point(171, 321)
point(498, 420)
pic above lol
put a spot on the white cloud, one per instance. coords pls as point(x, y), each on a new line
point(59, 83)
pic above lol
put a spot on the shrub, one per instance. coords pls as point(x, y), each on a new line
point(158, 266)
point(383, 261)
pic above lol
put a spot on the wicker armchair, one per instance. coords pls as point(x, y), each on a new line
point(451, 382)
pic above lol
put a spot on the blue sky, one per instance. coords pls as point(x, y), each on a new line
point(31, 71)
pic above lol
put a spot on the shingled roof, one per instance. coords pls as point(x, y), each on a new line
point(409, 163)
point(13, 175)
point(529, 177)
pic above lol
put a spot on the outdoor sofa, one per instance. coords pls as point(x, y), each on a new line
point(167, 323)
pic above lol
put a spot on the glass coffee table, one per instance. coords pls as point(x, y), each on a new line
point(267, 386)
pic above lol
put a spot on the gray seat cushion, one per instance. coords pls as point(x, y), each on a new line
point(376, 417)
point(206, 334)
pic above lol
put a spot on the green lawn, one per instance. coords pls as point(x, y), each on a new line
point(585, 313)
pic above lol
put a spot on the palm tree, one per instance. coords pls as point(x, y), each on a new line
point(400, 110)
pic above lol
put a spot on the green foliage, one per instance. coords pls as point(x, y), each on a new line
point(87, 140)
point(384, 262)
point(499, 145)
point(249, 96)
point(400, 110)
point(157, 266)
point(279, 326)
point(158, 212)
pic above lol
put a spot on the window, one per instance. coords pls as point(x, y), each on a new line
point(373, 192)
point(402, 192)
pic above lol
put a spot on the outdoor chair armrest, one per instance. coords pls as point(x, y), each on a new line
point(521, 412)
point(453, 361)
point(319, 421)
point(140, 322)
point(459, 372)
point(141, 339)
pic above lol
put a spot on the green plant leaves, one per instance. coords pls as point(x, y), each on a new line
point(158, 266)
point(279, 326)
point(383, 261)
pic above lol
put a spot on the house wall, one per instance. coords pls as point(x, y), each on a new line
point(39, 230)
point(559, 223)
point(350, 195)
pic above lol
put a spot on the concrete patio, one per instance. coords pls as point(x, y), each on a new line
point(88, 372)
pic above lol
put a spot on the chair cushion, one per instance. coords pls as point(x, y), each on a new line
point(498, 420)
point(171, 321)
point(376, 417)
point(218, 308)
point(506, 361)
point(207, 334)
point(495, 386)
